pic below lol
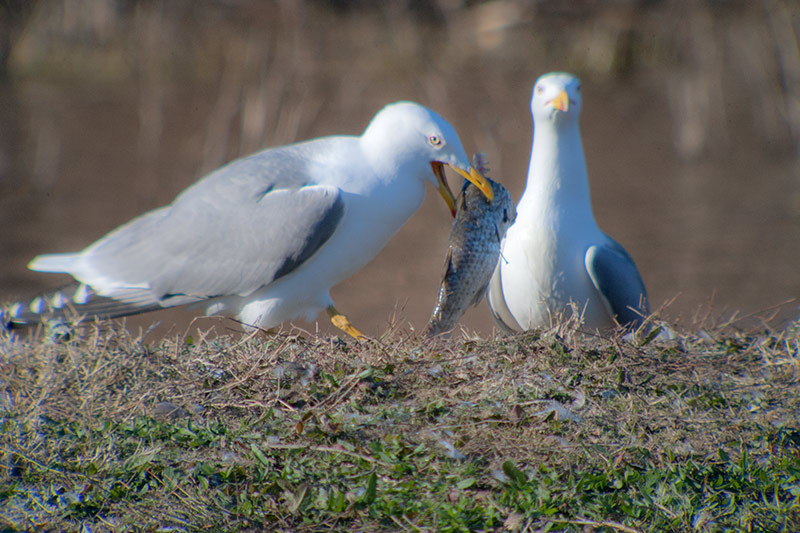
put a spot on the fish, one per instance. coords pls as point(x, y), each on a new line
point(473, 250)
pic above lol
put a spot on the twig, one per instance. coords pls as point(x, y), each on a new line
point(587, 522)
point(342, 392)
point(40, 465)
point(327, 449)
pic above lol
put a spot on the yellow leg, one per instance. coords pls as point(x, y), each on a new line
point(341, 322)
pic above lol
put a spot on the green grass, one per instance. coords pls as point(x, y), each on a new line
point(527, 433)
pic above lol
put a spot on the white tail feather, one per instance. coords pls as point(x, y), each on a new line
point(54, 263)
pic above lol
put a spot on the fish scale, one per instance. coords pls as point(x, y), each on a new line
point(473, 250)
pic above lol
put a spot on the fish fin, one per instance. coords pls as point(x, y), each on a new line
point(449, 270)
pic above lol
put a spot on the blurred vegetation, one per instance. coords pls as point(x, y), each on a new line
point(695, 48)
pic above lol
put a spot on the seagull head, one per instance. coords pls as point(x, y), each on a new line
point(413, 132)
point(556, 98)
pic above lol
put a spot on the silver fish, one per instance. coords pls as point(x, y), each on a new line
point(472, 251)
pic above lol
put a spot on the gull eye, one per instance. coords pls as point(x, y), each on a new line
point(434, 140)
point(539, 89)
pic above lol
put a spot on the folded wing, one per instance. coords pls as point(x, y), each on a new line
point(616, 278)
point(232, 233)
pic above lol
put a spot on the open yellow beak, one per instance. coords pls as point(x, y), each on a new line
point(473, 176)
point(478, 180)
point(560, 102)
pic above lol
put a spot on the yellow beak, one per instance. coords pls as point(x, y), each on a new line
point(473, 176)
point(560, 102)
point(443, 188)
point(478, 180)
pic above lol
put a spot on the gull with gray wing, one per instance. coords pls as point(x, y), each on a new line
point(265, 237)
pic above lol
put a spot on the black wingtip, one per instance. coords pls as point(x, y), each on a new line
point(9, 320)
point(71, 304)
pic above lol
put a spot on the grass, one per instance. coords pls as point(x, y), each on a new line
point(537, 432)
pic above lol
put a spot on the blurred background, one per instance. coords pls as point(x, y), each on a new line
point(691, 125)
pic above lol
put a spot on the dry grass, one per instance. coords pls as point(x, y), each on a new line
point(529, 432)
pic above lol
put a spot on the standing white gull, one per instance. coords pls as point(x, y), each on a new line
point(265, 237)
point(554, 255)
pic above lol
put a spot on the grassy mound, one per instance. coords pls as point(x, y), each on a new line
point(534, 432)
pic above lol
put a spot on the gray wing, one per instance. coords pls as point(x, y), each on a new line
point(235, 231)
point(615, 276)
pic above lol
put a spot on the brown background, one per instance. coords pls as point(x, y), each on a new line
point(691, 123)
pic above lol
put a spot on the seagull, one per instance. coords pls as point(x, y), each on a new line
point(554, 257)
point(265, 237)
